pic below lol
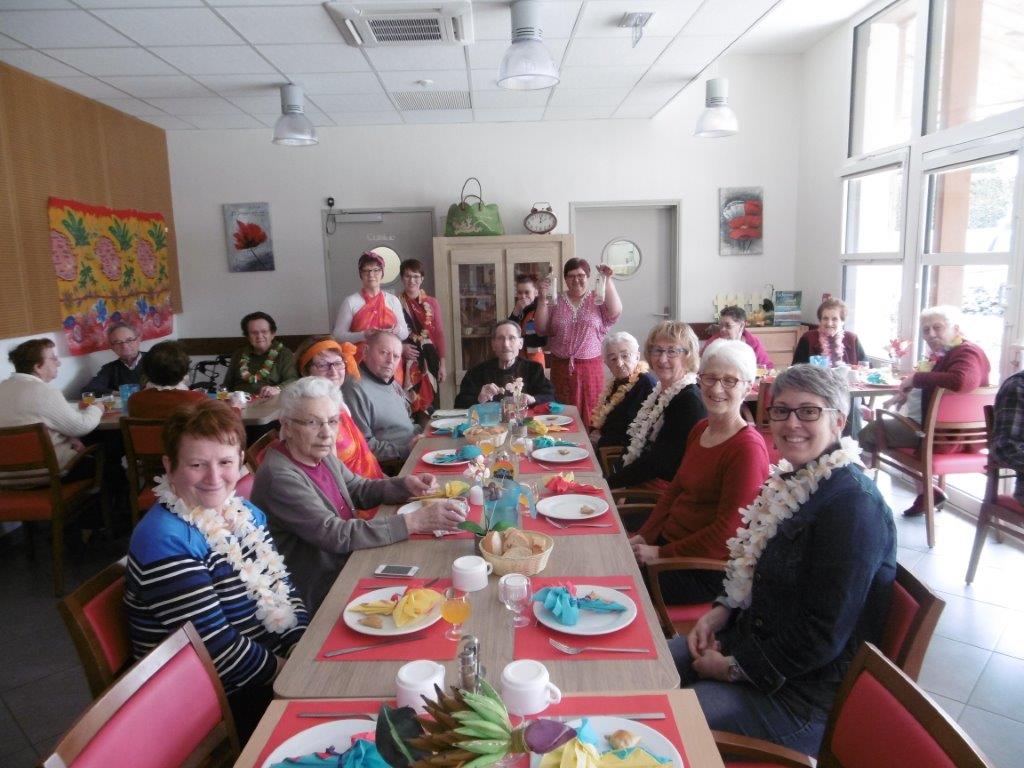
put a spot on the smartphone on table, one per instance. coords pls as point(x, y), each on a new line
point(396, 571)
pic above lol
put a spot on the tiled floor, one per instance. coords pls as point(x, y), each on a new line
point(974, 668)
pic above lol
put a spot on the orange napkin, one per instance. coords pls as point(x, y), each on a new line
point(565, 483)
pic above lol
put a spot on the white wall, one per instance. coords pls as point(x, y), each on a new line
point(518, 163)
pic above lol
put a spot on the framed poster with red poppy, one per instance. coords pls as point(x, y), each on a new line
point(740, 221)
point(250, 248)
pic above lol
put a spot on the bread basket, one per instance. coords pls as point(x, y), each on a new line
point(528, 566)
point(474, 435)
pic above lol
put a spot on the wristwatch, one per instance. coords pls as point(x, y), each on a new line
point(735, 673)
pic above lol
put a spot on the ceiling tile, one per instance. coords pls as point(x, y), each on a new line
point(323, 57)
point(59, 29)
point(360, 102)
point(307, 24)
point(691, 53)
point(257, 105)
point(171, 26)
point(599, 77)
point(215, 59)
point(95, 4)
point(504, 99)
point(578, 113)
point(244, 85)
point(653, 92)
point(367, 118)
point(598, 51)
point(135, 107)
point(721, 17)
point(343, 82)
point(223, 121)
point(492, 21)
point(230, 3)
point(489, 53)
point(636, 111)
point(443, 80)
point(35, 5)
point(530, 114)
point(159, 86)
point(37, 63)
point(8, 43)
point(587, 97)
point(601, 17)
point(438, 116)
point(88, 86)
point(168, 123)
point(417, 57)
point(195, 106)
point(113, 61)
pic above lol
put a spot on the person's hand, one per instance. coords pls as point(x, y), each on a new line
point(644, 553)
point(416, 438)
point(605, 270)
point(895, 401)
point(488, 392)
point(442, 371)
point(712, 665)
point(907, 384)
point(436, 516)
point(419, 485)
point(269, 391)
point(409, 352)
point(76, 444)
point(545, 288)
point(636, 538)
point(520, 304)
point(702, 637)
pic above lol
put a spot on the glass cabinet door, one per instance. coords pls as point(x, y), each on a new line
point(541, 262)
point(480, 305)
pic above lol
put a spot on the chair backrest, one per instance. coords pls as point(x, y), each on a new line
point(254, 453)
point(881, 719)
point(168, 710)
point(143, 450)
point(957, 419)
point(28, 450)
point(764, 399)
point(608, 455)
point(95, 617)
point(913, 614)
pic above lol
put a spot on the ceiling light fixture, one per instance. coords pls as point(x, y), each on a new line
point(717, 119)
point(527, 64)
point(293, 128)
point(636, 22)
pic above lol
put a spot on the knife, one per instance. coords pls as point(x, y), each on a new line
point(338, 715)
point(633, 716)
point(355, 648)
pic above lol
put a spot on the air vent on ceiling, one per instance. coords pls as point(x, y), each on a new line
point(378, 23)
point(414, 100)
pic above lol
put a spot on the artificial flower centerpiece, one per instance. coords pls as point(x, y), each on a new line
point(895, 349)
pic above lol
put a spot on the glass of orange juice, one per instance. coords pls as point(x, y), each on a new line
point(455, 610)
point(486, 446)
point(88, 398)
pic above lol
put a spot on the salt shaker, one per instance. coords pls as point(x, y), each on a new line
point(469, 664)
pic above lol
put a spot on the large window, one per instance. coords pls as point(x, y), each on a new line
point(872, 294)
point(873, 212)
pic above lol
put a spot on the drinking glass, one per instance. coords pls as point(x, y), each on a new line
point(223, 393)
point(514, 592)
point(88, 398)
point(486, 446)
point(455, 610)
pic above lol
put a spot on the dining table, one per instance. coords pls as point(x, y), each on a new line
point(259, 412)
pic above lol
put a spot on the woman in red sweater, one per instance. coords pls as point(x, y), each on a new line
point(724, 465)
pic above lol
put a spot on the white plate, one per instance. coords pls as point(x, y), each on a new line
point(446, 423)
point(450, 413)
point(592, 622)
point(431, 457)
point(554, 420)
point(337, 734)
point(555, 454)
point(650, 739)
point(389, 629)
point(567, 506)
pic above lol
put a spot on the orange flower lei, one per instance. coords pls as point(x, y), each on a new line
point(608, 404)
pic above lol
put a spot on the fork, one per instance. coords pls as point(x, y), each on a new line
point(563, 526)
point(574, 650)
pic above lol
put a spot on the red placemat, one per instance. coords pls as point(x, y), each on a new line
point(291, 724)
point(476, 515)
point(532, 642)
point(529, 466)
point(542, 525)
point(433, 645)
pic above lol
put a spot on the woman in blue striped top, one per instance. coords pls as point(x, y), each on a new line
point(203, 555)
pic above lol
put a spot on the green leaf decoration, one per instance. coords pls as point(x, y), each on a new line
point(504, 525)
point(161, 274)
point(468, 525)
point(122, 234)
point(394, 726)
point(76, 228)
point(128, 277)
point(157, 235)
point(86, 276)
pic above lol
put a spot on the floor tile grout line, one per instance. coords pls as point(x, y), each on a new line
point(988, 712)
point(18, 725)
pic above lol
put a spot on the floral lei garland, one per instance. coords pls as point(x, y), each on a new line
point(423, 337)
point(926, 364)
point(605, 405)
point(832, 346)
point(264, 371)
point(783, 494)
point(648, 422)
point(231, 533)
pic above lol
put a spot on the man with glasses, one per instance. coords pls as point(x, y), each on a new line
point(126, 369)
point(486, 381)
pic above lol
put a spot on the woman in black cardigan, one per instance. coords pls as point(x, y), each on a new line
point(622, 397)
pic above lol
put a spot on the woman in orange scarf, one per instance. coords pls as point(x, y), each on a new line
point(423, 351)
point(324, 357)
point(372, 309)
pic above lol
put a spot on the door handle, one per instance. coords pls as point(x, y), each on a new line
point(659, 314)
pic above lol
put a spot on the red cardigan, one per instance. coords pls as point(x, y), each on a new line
point(700, 510)
point(963, 368)
point(161, 403)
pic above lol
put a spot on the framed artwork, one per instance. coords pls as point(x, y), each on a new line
point(740, 221)
point(249, 245)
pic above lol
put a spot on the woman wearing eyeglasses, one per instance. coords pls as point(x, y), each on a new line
point(310, 497)
point(724, 466)
point(659, 433)
point(423, 352)
point(372, 309)
point(808, 580)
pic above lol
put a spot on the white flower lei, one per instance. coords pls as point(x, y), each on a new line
point(231, 533)
point(649, 419)
point(778, 500)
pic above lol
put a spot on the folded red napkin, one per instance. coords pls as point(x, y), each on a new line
point(559, 484)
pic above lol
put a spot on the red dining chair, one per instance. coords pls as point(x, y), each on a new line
point(762, 422)
point(144, 451)
point(880, 719)
point(95, 617)
point(254, 453)
point(168, 710)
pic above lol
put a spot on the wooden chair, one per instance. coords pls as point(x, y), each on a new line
point(634, 506)
point(144, 451)
point(955, 420)
point(608, 455)
point(254, 453)
point(880, 719)
point(762, 423)
point(168, 710)
point(998, 510)
point(29, 449)
point(95, 617)
point(678, 618)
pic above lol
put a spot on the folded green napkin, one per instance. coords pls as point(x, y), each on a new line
point(550, 442)
point(362, 754)
point(465, 453)
point(566, 607)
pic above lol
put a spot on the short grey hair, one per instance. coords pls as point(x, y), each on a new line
point(732, 352)
point(372, 337)
point(823, 382)
point(308, 387)
point(621, 337)
point(952, 315)
point(118, 326)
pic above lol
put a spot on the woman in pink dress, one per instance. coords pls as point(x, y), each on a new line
point(575, 328)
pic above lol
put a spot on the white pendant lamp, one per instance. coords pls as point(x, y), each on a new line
point(717, 119)
point(527, 65)
point(293, 128)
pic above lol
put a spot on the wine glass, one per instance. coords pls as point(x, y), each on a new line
point(455, 610)
point(514, 592)
point(486, 446)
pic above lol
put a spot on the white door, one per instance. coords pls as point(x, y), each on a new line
point(639, 240)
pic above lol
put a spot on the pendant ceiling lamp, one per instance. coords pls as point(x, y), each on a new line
point(527, 64)
point(717, 119)
point(293, 128)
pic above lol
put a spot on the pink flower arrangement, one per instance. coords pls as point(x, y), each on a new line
point(897, 348)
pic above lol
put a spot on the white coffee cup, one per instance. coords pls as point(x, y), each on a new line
point(526, 688)
point(417, 679)
point(469, 573)
point(240, 398)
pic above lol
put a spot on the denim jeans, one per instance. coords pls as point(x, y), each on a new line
point(783, 717)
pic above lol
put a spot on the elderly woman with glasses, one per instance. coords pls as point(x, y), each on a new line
point(310, 497)
point(724, 466)
point(631, 383)
point(575, 327)
point(658, 434)
point(808, 580)
point(264, 364)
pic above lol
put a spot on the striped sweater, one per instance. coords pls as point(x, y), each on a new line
point(174, 577)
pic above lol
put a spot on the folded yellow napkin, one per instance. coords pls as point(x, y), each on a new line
point(415, 603)
point(572, 754)
point(376, 607)
point(452, 489)
point(635, 757)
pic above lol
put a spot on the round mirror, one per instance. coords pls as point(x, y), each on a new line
point(392, 263)
point(623, 256)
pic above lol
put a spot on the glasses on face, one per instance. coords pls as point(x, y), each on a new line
point(338, 365)
point(727, 382)
point(412, 276)
point(618, 359)
point(803, 412)
point(582, 276)
point(670, 352)
point(371, 271)
point(317, 424)
point(125, 342)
